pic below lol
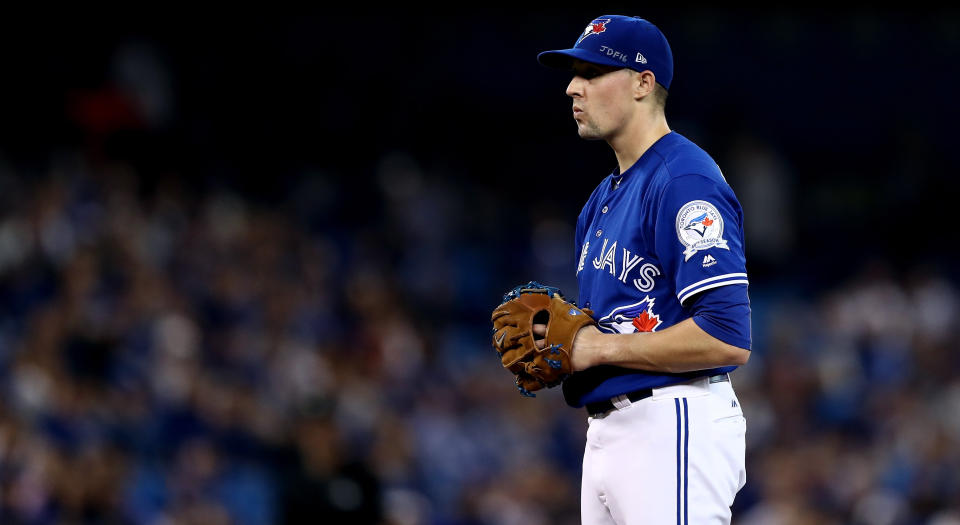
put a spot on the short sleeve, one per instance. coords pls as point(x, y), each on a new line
point(724, 313)
point(699, 235)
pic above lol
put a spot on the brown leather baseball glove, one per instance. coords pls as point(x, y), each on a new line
point(513, 337)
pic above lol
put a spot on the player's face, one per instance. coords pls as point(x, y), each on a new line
point(602, 99)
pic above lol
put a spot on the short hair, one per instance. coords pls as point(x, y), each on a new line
point(660, 95)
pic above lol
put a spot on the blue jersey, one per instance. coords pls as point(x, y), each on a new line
point(649, 241)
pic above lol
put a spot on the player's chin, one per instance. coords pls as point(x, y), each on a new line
point(588, 133)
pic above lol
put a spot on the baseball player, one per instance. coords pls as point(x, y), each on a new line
point(661, 265)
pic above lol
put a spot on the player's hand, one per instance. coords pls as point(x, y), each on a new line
point(539, 332)
point(585, 353)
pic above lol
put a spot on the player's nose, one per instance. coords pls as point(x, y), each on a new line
point(575, 87)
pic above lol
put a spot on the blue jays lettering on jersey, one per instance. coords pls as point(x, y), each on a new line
point(649, 241)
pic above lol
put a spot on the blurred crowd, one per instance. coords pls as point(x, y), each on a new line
point(170, 355)
point(853, 404)
point(246, 278)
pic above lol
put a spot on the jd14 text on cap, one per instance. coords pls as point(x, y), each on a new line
point(619, 41)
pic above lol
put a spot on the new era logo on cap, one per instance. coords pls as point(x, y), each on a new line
point(619, 41)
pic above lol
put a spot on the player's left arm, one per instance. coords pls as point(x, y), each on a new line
point(716, 335)
point(683, 347)
point(699, 243)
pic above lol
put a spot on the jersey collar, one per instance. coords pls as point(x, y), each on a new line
point(618, 181)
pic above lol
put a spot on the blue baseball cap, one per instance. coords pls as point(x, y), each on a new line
point(618, 41)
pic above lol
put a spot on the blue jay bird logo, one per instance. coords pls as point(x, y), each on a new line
point(699, 224)
point(637, 317)
point(597, 26)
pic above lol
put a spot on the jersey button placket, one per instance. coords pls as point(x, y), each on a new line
point(605, 209)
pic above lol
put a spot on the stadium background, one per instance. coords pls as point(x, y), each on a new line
point(247, 261)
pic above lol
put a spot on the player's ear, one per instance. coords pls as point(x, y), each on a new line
point(644, 83)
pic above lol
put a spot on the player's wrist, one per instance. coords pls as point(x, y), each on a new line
point(588, 348)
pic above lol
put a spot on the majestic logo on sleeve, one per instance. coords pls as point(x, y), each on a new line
point(597, 26)
point(699, 227)
point(637, 317)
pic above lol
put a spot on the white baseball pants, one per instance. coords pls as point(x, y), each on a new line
point(676, 457)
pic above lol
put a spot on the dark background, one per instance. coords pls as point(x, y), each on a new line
point(859, 105)
point(354, 192)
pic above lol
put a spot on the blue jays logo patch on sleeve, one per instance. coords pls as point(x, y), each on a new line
point(699, 227)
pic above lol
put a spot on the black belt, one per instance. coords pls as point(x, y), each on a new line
point(602, 407)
